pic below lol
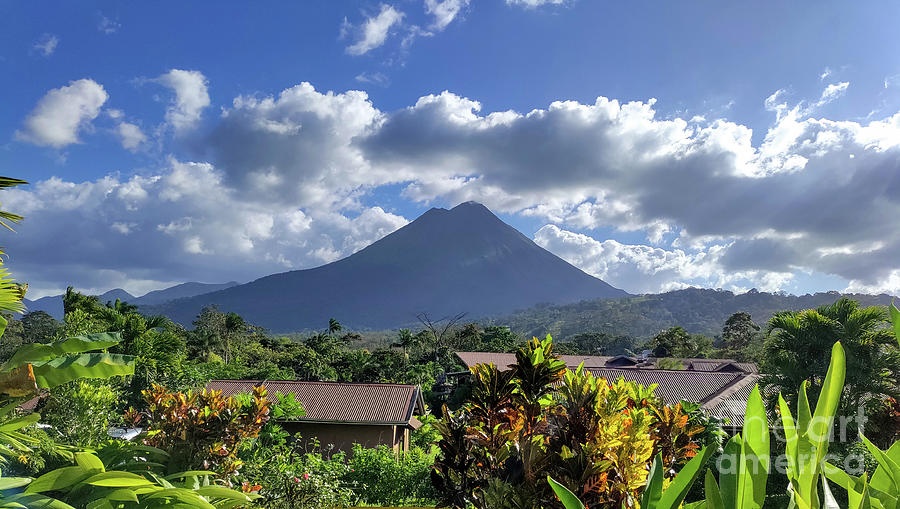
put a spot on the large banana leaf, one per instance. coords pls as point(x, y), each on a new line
point(87, 365)
point(37, 353)
point(808, 436)
point(755, 461)
point(674, 495)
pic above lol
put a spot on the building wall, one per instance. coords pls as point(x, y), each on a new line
point(343, 436)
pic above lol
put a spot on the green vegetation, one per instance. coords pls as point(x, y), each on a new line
point(796, 354)
point(537, 419)
point(697, 310)
point(534, 435)
point(743, 484)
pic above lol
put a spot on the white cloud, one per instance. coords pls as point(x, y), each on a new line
point(287, 176)
point(188, 214)
point(444, 12)
point(46, 45)
point(826, 73)
point(647, 269)
point(191, 98)
point(531, 4)
point(62, 113)
point(832, 92)
point(374, 30)
point(130, 135)
point(108, 26)
point(375, 78)
point(299, 147)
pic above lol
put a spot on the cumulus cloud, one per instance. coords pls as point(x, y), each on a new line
point(373, 32)
point(168, 225)
point(130, 135)
point(444, 11)
point(299, 147)
point(46, 45)
point(62, 113)
point(286, 175)
point(191, 98)
point(607, 164)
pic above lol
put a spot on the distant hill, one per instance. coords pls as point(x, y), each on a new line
point(181, 291)
point(53, 305)
point(698, 310)
point(443, 263)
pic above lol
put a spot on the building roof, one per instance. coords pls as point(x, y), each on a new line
point(675, 385)
point(333, 402)
point(503, 360)
point(721, 386)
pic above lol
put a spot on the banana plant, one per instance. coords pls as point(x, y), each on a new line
point(653, 497)
point(807, 437)
point(882, 490)
point(745, 466)
point(90, 485)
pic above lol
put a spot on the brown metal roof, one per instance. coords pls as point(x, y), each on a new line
point(673, 386)
point(721, 393)
point(504, 360)
point(731, 403)
point(340, 402)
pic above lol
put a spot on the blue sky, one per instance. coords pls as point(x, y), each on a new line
point(655, 145)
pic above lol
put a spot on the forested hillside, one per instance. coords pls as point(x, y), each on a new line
point(700, 311)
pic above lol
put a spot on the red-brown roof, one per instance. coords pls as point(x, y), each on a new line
point(504, 360)
point(721, 386)
point(340, 402)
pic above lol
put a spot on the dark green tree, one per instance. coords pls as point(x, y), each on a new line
point(38, 326)
point(799, 343)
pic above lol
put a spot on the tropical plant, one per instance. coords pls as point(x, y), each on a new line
point(200, 429)
point(90, 484)
point(39, 366)
point(380, 476)
point(798, 344)
point(882, 490)
point(82, 411)
point(536, 419)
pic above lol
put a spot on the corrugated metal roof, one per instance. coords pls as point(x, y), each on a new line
point(673, 386)
point(339, 402)
point(504, 360)
point(734, 405)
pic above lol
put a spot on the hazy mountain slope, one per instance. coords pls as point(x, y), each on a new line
point(53, 305)
point(445, 262)
point(181, 291)
point(697, 310)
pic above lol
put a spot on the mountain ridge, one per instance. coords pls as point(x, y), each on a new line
point(53, 304)
point(461, 260)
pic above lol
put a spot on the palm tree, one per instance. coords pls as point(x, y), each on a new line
point(798, 345)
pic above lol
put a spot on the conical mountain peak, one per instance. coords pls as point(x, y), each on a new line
point(462, 260)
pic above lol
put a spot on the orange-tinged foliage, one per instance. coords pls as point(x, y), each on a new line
point(537, 418)
point(200, 429)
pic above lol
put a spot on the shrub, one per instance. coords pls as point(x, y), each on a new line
point(82, 411)
point(200, 429)
point(537, 418)
point(289, 477)
point(385, 478)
